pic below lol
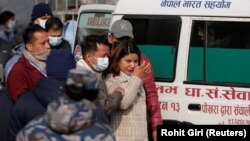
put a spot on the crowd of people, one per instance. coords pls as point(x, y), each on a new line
point(108, 95)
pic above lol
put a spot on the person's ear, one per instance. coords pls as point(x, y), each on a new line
point(88, 57)
point(28, 47)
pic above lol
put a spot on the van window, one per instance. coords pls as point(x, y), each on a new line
point(92, 23)
point(219, 52)
point(157, 38)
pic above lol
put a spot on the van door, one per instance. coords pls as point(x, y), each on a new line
point(200, 64)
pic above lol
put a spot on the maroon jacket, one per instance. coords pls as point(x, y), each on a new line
point(22, 77)
point(153, 106)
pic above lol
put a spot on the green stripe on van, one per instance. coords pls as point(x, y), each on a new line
point(222, 65)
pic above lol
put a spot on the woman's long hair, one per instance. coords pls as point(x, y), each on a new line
point(121, 49)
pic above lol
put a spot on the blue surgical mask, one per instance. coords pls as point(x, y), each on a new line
point(102, 64)
point(42, 23)
point(54, 41)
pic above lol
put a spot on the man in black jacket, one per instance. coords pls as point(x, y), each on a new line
point(54, 27)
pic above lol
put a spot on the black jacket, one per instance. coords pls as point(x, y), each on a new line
point(6, 107)
point(33, 103)
point(64, 45)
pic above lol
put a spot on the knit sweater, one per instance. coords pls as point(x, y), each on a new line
point(129, 123)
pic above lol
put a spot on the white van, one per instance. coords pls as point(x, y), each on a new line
point(92, 19)
point(200, 53)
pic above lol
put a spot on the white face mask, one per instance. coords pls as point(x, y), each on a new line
point(102, 64)
point(11, 24)
point(54, 41)
point(128, 76)
point(42, 23)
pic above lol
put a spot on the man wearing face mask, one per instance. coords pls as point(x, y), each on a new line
point(54, 27)
point(41, 12)
point(95, 52)
point(31, 65)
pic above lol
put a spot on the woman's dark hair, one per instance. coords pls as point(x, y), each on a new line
point(121, 49)
point(5, 16)
point(79, 93)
